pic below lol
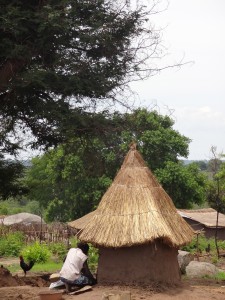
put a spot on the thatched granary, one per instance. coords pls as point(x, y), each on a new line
point(136, 228)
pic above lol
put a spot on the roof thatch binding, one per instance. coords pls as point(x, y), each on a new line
point(134, 210)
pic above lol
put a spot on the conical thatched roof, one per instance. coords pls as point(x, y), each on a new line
point(80, 223)
point(134, 210)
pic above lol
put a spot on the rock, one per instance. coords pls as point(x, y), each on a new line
point(199, 269)
point(184, 258)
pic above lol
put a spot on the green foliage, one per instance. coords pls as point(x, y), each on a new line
point(58, 249)
point(11, 173)
point(3, 209)
point(73, 242)
point(202, 243)
point(220, 276)
point(59, 57)
point(93, 256)
point(36, 252)
point(69, 181)
point(49, 266)
point(186, 185)
point(16, 205)
point(67, 186)
point(11, 244)
point(216, 189)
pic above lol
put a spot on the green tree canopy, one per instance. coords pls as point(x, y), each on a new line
point(186, 185)
point(58, 58)
point(70, 181)
point(11, 173)
point(216, 191)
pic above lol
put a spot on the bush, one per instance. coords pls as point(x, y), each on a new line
point(11, 244)
point(36, 252)
point(58, 249)
point(203, 243)
point(93, 258)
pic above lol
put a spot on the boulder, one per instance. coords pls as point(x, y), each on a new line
point(184, 258)
point(200, 269)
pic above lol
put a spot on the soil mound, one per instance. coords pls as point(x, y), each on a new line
point(7, 279)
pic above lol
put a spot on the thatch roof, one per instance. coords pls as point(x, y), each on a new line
point(22, 218)
point(80, 223)
point(134, 210)
point(205, 216)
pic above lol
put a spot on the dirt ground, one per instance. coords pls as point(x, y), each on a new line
point(18, 287)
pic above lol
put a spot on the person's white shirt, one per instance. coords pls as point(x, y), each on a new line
point(73, 264)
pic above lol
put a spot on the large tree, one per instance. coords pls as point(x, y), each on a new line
point(69, 181)
point(58, 57)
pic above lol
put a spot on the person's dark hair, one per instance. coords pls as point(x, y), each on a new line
point(84, 247)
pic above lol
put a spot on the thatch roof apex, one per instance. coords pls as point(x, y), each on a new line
point(134, 210)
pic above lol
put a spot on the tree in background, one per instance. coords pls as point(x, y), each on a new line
point(11, 173)
point(69, 182)
point(61, 61)
point(67, 186)
point(216, 191)
point(186, 185)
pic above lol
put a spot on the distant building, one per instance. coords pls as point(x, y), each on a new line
point(205, 220)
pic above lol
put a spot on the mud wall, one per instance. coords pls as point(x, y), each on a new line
point(208, 232)
point(139, 264)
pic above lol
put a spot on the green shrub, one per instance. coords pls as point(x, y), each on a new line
point(220, 276)
point(58, 249)
point(201, 244)
point(93, 258)
point(73, 242)
point(11, 244)
point(36, 252)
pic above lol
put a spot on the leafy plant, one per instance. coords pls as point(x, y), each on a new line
point(220, 276)
point(58, 249)
point(73, 242)
point(36, 252)
point(93, 258)
point(11, 244)
point(202, 243)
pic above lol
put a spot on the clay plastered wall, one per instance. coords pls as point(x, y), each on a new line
point(139, 264)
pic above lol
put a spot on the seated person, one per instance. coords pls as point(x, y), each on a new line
point(75, 271)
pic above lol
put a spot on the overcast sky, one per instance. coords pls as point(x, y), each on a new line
point(195, 93)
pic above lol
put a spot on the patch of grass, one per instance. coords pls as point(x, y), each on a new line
point(49, 266)
point(220, 275)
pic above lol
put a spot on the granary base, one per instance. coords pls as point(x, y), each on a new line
point(144, 264)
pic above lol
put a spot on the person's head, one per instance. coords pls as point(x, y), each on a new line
point(84, 247)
